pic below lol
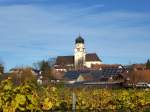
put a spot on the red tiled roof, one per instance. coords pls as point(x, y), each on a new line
point(92, 57)
point(102, 66)
point(65, 60)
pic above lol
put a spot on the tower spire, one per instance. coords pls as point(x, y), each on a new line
point(79, 39)
point(79, 34)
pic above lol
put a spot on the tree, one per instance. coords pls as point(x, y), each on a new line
point(1, 68)
point(137, 76)
point(148, 64)
point(50, 63)
point(23, 75)
point(44, 67)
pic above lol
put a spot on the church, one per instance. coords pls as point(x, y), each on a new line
point(80, 60)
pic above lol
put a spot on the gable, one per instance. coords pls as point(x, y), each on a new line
point(92, 57)
point(69, 60)
point(64, 60)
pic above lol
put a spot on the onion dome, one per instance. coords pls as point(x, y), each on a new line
point(79, 40)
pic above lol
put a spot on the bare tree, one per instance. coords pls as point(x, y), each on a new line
point(45, 66)
point(23, 75)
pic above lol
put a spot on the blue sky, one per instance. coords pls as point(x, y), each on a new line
point(32, 30)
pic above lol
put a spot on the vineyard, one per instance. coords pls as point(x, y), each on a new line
point(36, 98)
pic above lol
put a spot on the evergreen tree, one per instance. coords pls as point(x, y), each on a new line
point(44, 67)
point(1, 69)
point(148, 64)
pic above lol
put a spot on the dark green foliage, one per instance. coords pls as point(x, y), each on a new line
point(1, 69)
point(148, 64)
point(45, 68)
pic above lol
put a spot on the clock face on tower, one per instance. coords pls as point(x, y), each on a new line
point(78, 45)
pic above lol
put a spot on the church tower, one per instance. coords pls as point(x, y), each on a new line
point(79, 56)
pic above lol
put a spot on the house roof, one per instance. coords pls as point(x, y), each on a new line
point(64, 60)
point(71, 75)
point(112, 71)
point(92, 57)
point(94, 75)
point(104, 66)
point(105, 73)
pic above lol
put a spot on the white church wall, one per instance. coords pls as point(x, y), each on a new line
point(89, 63)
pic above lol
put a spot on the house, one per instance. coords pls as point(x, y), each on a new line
point(4, 76)
point(112, 74)
point(73, 76)
point(79, 60)
point(109, 74)
point(135, 74)
point(20, 70)
point(104, 66)
point(85, 77)
point(137, 67)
